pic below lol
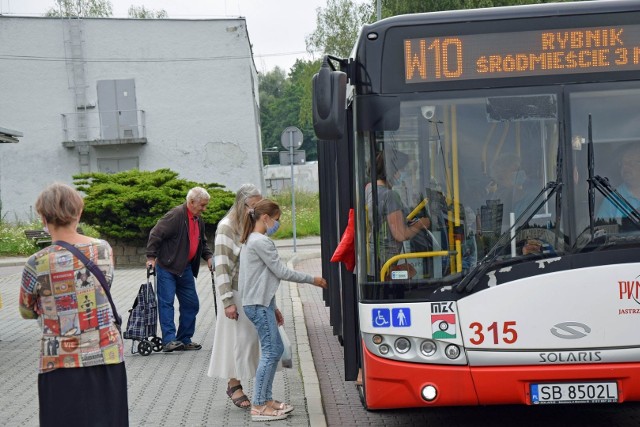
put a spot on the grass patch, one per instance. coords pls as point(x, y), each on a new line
point(307, 214)
point(13, 242)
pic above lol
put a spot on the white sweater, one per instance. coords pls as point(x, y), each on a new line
point(261, 271)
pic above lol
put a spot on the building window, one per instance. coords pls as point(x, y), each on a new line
point(117, 165)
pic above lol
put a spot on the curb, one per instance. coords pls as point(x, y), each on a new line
point(310, 381)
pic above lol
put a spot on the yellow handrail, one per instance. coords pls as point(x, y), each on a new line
point(417, 209)
point(385, 267)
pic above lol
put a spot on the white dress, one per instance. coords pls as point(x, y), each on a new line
point(236, 348)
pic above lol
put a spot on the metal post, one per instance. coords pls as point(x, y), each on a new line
point(293, 193)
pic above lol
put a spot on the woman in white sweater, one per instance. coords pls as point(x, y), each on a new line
point(261, 271)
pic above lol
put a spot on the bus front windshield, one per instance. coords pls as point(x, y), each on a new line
point(460, 180)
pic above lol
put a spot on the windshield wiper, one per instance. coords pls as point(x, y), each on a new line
point(596, 182)
point(472, 279)
point(607, 190)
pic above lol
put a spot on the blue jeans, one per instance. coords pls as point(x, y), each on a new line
point(184, 287)
point(271, 349)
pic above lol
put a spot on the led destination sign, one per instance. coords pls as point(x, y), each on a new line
point(526, 53)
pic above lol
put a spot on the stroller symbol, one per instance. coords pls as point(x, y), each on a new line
point(380, 317)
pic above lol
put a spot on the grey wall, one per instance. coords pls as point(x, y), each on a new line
point(201, 113)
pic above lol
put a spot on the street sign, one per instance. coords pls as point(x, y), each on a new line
point(298, 157)
point(291, 137)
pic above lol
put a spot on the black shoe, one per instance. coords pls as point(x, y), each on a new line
point(173, 346)
point(191, 346)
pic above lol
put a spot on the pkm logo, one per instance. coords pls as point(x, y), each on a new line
point(629, 290)
point(442, 307)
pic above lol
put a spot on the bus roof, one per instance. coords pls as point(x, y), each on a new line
point(506, 12)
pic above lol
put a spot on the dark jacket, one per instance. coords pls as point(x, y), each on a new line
point(169, 242)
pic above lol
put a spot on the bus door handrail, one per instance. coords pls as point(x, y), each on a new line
point(430, 254)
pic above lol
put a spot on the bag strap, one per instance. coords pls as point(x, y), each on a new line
point(96, 272)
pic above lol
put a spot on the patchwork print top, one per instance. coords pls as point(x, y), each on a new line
point(71, 306)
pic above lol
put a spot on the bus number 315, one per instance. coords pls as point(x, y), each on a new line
point(508, 335)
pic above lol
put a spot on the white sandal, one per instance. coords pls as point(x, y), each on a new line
point(281, 406)
point(257, 414)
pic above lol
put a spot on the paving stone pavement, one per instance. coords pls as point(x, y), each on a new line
point(164, 389)
point(172, 389)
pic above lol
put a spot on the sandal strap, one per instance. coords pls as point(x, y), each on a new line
point(260, 411)
point(238, 400)
point(231, 390)
point(278, 405)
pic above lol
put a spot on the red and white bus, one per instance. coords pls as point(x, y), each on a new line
point(516, 132)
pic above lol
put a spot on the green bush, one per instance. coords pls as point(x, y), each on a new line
point(126, 205)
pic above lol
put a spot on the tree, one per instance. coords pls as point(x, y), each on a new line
point(81, 9)
point(271, 87)
point(126, 205)
point(301, 77)
point(287, 102)
point(140, 12)
point(337, 27)
point(338, 24)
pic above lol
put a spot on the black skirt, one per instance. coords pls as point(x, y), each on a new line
point(91, 396)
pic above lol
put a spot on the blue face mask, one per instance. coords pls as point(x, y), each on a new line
point(271, 230)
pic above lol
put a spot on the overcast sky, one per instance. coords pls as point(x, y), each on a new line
point(277, 28)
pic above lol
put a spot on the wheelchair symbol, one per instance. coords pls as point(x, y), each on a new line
point(381, 318)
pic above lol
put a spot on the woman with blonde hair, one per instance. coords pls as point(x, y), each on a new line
point(82, 378)
point(235, 350)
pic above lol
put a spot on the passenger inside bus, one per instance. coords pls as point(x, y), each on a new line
point(506, 188)
point(629, 168)
point(510, 192)
point(392, 227)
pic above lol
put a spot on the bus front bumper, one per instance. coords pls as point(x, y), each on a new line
point(394, 384)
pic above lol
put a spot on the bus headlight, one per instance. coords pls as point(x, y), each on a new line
point(384, 349)
point(402, 345)
point(428, 348)
point(452, 351)
point(377, 339)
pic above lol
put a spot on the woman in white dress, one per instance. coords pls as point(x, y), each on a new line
point(236, 349)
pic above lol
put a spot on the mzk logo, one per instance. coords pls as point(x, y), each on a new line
point(443, 326)
point(443, 320)
point(442, 307)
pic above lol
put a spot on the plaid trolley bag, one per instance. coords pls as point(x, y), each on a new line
point(142, 323)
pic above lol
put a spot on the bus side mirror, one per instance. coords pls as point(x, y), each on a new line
point(328, 103)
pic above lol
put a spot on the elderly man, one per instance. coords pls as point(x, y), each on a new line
point(175, 246)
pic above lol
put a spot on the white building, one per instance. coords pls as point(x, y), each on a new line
point(305, 178)
point(106, 95)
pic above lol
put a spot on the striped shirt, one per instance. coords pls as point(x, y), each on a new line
point(226, 255)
